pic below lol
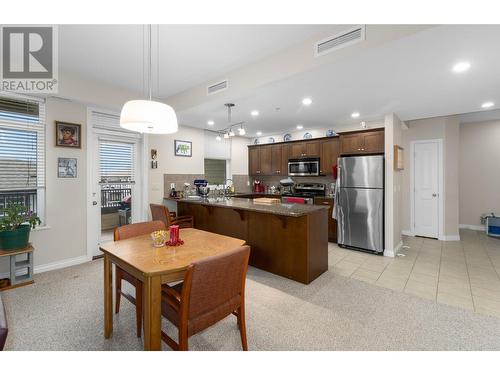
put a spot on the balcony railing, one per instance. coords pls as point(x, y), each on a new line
point(112, 197)
point(25, 197)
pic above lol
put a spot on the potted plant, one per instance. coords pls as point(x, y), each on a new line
point(16, 221)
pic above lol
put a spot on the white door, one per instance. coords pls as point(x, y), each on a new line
point(114, 163)
point(426, 188)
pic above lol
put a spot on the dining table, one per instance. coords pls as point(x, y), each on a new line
point(155, 266)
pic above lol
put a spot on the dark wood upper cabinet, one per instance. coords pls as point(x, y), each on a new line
point(297, 150)
point(272, 159)
point(351, 143)
point(266, 160)
point(329, 153)
point(312, 149)
point(285, 155)
point(373, 141)
point(253, 161)
point(363, 142)
point(276, 161)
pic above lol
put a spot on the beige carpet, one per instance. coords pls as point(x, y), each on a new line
point(64, 311)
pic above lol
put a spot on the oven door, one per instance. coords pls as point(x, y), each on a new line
point(303, 167)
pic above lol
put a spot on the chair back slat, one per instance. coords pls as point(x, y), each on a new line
point(160, 212)
point(138, 229)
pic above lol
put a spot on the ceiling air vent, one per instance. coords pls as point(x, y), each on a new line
point(338, 41)
point(216, 87)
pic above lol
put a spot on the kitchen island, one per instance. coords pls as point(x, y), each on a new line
point(289, 240)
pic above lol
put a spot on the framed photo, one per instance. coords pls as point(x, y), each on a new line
point(66, 167)
point(399, 158)
point(68, 135)
point(183, 148)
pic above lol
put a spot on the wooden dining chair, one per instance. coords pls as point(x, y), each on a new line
point(122, 233)
point(213, 288)
point(161, 212)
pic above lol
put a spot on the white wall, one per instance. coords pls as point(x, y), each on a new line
point(447, 129)
point(393, 228)
point(239, 155)
point(479, 171)
point(65, 237)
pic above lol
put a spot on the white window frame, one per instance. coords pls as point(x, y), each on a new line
point(41, 192)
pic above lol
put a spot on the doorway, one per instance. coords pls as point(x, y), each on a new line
point(426, 188)
point(115, 189)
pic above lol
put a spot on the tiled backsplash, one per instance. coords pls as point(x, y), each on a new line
point(275, 180)
point(240, 182)
point(178, 180)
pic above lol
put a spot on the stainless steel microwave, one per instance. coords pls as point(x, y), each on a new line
point(303, 167)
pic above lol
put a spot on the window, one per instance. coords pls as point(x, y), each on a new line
point(116, 166)
point(215, 171)
point(22, 153)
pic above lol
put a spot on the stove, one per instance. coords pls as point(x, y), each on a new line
point(304, 193)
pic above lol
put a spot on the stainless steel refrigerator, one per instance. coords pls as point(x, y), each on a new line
point(360, 200)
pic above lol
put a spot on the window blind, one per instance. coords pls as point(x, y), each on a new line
point(215, 171)
point(22, 143)
point(116, 161)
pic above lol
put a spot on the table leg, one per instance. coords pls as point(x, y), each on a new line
point(152, 312)
point(108, 297)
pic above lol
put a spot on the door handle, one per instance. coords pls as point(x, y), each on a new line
point(434, 195)
point(94, 203)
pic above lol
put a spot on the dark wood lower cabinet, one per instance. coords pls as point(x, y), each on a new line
point(332, 223)
point(293, 247)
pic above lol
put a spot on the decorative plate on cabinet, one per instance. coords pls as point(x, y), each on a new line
point(256, 142)
point(287, 137)
point(308, 136)
point(270, 140)
point(330, 133)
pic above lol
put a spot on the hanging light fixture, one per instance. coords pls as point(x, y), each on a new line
point(218, 138)
point(241, 130)
point(148, 116)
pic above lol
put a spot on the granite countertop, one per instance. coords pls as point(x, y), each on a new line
point(294, 210)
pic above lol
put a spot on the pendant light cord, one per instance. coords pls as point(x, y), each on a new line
point(150, 62)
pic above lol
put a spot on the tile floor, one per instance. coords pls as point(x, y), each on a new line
point(463, 273)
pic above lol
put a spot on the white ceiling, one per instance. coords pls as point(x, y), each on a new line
point(189, 54)
point(411, 77)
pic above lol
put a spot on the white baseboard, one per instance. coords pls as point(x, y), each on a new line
point(393, 252)
point(450, 238)
point(61, 264)
point(408, 232)
point(473, 227)
point(52, 266)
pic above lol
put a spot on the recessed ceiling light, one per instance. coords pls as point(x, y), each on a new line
point(299, 127)
point(210, 123)
point(254, 113)
point(355, 114)
point(461, 67)
point(259, 133)
point(487, 105)
point(307, 101)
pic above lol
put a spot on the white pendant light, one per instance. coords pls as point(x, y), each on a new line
point(148, 116)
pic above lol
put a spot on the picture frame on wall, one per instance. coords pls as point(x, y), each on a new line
point(67, 167)
point(399, 158)
point(68, 135)
point(183, 148)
